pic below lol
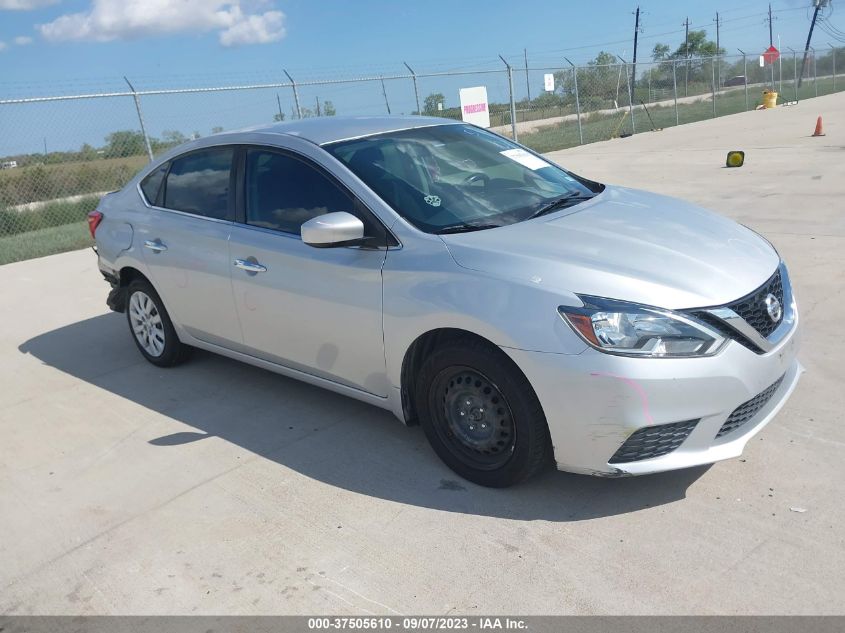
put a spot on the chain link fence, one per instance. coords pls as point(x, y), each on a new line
point(60, 154)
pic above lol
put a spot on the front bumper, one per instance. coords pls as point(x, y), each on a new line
point(595, 401)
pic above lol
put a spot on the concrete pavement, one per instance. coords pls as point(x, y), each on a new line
point(218, 488)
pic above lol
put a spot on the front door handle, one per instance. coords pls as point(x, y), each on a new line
point(250, 267)
point(155, 245)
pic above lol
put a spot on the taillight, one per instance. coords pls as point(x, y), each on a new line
point(94, 219)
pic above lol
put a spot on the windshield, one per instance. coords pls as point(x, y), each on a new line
point(448, 178)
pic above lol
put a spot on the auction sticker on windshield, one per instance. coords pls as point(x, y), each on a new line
point(525, 158)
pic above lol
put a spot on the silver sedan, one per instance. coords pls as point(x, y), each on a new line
point(519, 313)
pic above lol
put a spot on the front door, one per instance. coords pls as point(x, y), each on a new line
point(318, 310)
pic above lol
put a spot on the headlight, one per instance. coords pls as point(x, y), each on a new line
point(634, 330)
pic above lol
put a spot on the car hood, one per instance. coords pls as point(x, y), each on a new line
point(629, 245)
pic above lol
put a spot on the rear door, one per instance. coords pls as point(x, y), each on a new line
point(185, 242)
point(318, 310)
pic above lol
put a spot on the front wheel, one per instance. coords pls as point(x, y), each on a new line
point(481, 415)
point(151, 327)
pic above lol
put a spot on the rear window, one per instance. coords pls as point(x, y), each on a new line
point(152, 184)
point(199, 183)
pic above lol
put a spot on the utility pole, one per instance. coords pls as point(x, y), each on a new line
point(818, 4)
point(771, 39)
point(527, 81)
point(718, 48)
point(686, 54)
point(771, 43)
point(634, 63)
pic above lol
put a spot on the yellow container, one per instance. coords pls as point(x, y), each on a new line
point(770, 99)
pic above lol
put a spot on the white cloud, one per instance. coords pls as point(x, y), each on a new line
point(25, 5)
point(3, 46)
point(23, 40)
point(255, 29)
point(109, 20)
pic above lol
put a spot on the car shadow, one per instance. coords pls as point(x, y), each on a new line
point(325, 436)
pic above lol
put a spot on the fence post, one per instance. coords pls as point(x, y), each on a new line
point(140, 118)
point(675, 89)
point(384, 92)
point(795, 71)
point(295, 95)
point(630, 98)
point(815, 74)
point(833, 55)
point(745, 74)
point(513, 103)
point(416, 90)
point(713, 83)
point(577, 102)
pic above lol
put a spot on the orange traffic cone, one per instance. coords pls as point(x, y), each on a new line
point(819, 128)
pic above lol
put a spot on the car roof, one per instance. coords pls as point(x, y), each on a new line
point(322, 130)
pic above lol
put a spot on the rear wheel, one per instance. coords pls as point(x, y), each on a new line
point(151, 327)
point(481, 415)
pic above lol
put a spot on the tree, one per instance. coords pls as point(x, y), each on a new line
point(431, 101)
point(694, 51)
point(597, 83)
point(124, 143)
point(660, 52)
point(173, 137)
point(546, 100)
point(216, 129)
point(87, 152)
point(329, 109)
point(278, 117)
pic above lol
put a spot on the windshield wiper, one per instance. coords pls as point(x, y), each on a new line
point(466, 228)
point(566, 200)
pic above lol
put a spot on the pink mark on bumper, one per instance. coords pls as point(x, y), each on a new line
point(635, 386)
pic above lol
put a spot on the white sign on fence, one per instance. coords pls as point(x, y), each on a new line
point(762, 61)
point(474, 107)
point(549, 81)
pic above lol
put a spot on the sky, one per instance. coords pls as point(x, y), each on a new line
point(52, 47)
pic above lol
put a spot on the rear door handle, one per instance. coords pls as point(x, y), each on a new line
point(155, 245)
point(250, 267)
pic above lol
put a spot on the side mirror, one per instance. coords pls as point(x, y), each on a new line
point(333, 229)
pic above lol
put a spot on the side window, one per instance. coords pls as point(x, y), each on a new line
point(199, 183)
point(152, 184)
point(282, 192)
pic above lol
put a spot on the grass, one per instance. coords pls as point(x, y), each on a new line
point(47, 182)
point(48, 241)
point(52, 214)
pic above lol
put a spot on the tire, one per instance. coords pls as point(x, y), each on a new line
point(150, 326)
point(481, 415)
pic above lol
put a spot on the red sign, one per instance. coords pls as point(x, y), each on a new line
point(771, 55)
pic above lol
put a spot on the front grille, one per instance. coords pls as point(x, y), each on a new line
point(747, 410)
point(653, 441)
point(752, 307)
point(725, 330)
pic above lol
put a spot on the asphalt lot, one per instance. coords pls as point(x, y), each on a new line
point(218, 488)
